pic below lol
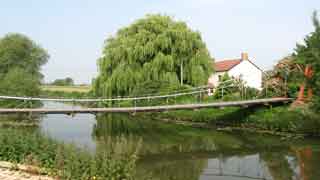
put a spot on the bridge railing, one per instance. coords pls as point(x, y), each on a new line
point(186, 96)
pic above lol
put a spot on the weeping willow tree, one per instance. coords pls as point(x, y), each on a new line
point(153, 50)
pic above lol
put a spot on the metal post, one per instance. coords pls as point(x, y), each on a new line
point(285, 84)
point(73, 103)
point(245, 93)
point(181, 73)
point(267, 90)
point(30, 114)
point(135, 106)
point(222, 93)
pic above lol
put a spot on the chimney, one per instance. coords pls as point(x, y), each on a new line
point(244, 56)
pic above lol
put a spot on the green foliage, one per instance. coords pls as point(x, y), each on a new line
point(211, 116)
point(18, 51)
point(20, 63)
point(153, 49)
point(20, 83)
point(63, 82)
point(230, 88)
point(67, 161)
point(309, 54)
point(284, 120)
point(221, 90)
point(284, 79)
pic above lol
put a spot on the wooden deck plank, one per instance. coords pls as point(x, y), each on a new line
point(246, 103)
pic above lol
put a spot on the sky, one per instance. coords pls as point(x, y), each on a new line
point(73, 31)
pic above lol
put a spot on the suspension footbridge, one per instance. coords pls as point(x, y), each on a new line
point(199, 91)
point(244, 103)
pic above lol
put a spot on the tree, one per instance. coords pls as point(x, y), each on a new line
point(69, 81)
point(63, 82)
point(153, 49)
point(309, 54)
point(284, 79)
point(20, 63)
point(18, 82)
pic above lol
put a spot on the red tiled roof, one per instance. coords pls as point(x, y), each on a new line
point(226, 65)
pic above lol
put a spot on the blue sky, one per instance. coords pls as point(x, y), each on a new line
point(73, 31)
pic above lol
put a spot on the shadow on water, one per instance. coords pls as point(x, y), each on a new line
point(175, 152)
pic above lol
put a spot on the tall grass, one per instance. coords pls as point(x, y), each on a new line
point(66, 161)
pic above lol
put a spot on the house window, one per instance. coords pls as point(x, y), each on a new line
point(220, 77)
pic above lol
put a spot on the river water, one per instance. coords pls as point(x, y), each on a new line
point(176, 152)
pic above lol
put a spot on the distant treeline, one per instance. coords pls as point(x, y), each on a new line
point(63, 82)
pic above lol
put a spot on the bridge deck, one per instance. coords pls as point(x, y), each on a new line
point(246, 103)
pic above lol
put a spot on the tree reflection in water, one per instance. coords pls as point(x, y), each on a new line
point(175, 152)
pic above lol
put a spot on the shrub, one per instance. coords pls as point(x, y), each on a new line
point(300, 120)
point(67, 161)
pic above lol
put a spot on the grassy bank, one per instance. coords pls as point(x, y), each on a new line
point(203, 115)
point(66, 161)
point(285, 119)
point(273, 119)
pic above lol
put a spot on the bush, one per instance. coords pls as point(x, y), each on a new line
point(301, 120)
point(66, 161)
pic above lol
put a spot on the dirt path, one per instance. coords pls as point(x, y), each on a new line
point(7, 174)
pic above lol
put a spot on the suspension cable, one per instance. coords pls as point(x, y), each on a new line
point(99, 100)
point(114, 99)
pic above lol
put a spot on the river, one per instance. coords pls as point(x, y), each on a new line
point(175, 152)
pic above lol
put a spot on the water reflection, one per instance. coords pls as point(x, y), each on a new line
point(175, 152)
point(157, 138)
point(307, 163)
point(75, 129)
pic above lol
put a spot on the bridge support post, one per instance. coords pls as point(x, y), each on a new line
point(30, 114)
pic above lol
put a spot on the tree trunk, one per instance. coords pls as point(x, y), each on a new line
point(301, 93)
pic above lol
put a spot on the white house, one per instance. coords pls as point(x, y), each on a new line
point(242, 68)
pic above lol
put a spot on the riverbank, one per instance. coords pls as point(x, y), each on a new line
point(279, 120)
point(6, 174)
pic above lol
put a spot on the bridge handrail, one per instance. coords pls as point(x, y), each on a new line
point(111, 99)
point(99, 100)
point(164, 93)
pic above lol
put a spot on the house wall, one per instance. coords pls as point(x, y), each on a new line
point(214, 78)
point(249, 73)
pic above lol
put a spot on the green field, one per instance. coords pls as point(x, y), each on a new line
point(82, 89)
